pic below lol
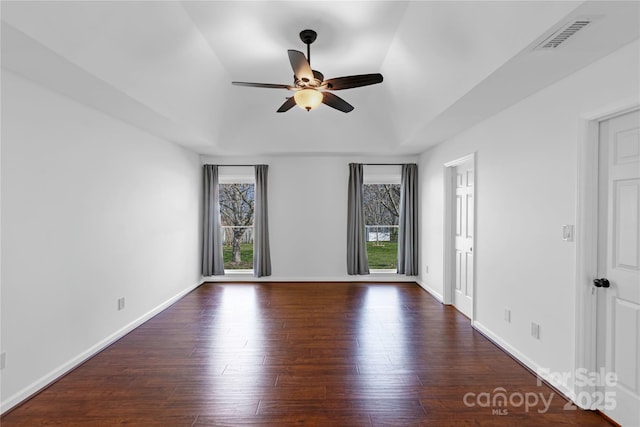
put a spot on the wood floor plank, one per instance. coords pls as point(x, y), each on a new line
point(286, 354)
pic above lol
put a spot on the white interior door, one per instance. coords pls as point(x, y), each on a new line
point(463, 230)
point(618, 337)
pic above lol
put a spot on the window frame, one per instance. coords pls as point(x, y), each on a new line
point(237, 175)
point(382, 174)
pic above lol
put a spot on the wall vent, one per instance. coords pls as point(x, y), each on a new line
point(561, 35)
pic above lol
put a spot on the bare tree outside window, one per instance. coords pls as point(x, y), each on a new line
point(381, 209)
point(236, 213)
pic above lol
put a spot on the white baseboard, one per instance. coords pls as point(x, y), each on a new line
point(437, 295)
point(534, 367)
point(63, 369)
point(374, 277)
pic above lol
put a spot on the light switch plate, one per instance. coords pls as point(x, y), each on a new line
point(567, 233)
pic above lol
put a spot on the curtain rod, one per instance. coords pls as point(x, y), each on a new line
point(234, 166)
point(366, 164)
point(387, 164)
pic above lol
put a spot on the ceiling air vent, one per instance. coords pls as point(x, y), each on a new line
point(561, 35)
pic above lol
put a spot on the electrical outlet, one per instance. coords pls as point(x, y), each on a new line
point(535, 330)
point(507, 315)
point(426, 269)
point(3, 360)
point(120, 303)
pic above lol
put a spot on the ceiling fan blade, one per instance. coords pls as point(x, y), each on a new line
point(349, 82)
point(336, 102)
point(263, 85)
point(300, 65)
point(288, 104)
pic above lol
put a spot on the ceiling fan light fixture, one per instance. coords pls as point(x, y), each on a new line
point(308, 98)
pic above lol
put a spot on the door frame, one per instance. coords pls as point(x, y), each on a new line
point(449, 276)
point(587, 240)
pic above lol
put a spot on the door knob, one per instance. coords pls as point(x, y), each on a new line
point(601, 283)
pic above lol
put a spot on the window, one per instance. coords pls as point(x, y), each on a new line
point(381, 194)
point(236, 215)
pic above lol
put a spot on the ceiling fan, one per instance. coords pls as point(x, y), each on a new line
point(309, 85)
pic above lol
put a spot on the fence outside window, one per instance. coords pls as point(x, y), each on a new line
point(229, 230)
point(381, 233)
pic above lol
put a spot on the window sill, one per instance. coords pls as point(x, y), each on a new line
point(380, 272)
point(238, 272)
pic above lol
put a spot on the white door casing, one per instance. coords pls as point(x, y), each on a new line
point(618, 336)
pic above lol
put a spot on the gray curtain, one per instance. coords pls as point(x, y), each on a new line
point(212, 261)
point(408, 221)
point(261, 252)
point(357, 262)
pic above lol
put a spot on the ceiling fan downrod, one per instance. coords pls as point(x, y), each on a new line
point(308, 37)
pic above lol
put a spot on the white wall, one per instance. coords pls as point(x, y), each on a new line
point(92, 210)
point(526, 181)
point(308, 215)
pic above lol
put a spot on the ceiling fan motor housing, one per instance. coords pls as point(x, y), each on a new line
point(317, 76)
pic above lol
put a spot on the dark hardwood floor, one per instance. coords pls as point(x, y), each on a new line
point(281, 354)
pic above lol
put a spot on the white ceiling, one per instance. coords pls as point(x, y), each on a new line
point(167, 66)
